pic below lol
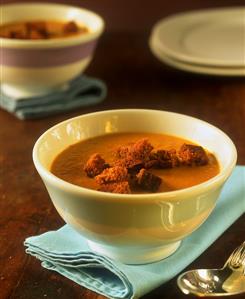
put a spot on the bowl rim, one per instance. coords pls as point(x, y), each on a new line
point(203, 187)
point(59, 42)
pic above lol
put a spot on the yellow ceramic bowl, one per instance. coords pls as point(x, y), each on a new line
point(34, 67)
point(135, 228)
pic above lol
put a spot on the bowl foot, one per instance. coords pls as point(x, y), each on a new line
point(19, 92)
point(135, 255)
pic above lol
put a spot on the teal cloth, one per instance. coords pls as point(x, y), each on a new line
point(80, 92)
point(66, 252)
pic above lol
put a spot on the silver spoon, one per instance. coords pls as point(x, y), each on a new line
point(229, 280)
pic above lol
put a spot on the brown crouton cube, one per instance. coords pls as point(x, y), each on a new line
point(36, 30)
point(190, 154)
point(174, 157)
point(39, 26)
point(148, 181)
point(70, 27)
point(120, 187)
point(35, 35)
point(95, 165)
point(151, 163)
point(133, 181)
point(17, 34)
point(133, 156)
point(162, 159)
point(141, 149)
point(137, 151)
point(112, 175)
point(122, 152)
point(131, 164)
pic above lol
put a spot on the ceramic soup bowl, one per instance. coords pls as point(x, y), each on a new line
point(134, 228)
point(36, 67)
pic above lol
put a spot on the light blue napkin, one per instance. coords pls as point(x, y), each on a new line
point(82, 91)
point(66, 252)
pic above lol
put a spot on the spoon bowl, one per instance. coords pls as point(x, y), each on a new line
point(230, 280)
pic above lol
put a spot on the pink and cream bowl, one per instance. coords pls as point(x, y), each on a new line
point(134, 228)
point(36, 67)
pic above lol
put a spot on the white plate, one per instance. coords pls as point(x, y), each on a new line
point(208, 37)
point(200, 69)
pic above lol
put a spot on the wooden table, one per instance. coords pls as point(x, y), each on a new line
point(135, 79)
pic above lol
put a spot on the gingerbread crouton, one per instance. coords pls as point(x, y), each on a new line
point(141, 149)
point(95, 165)
point(70, 27)
point(190, 154)
point(162, 159)
point(122, 152)
point(130, 163)
point(138, 150)
point(112, 175)
point(133, 156)
point(36, 30)
point(148, 181)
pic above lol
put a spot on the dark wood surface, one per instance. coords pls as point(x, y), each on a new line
point(135, 79)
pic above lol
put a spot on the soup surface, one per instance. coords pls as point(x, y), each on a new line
point(70, 164)
point(41, 29)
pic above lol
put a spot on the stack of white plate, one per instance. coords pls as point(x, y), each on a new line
point(205, 41)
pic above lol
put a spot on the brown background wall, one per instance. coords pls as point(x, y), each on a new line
point(138, 15)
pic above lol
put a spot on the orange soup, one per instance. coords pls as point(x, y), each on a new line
point(40, 29)
point(135, 163)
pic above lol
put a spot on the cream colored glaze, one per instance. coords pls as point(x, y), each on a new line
point(69, 164)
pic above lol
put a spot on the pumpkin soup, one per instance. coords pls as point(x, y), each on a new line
point(135, 163)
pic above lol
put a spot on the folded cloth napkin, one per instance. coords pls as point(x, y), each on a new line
point(66, 252)
point(82, 91)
